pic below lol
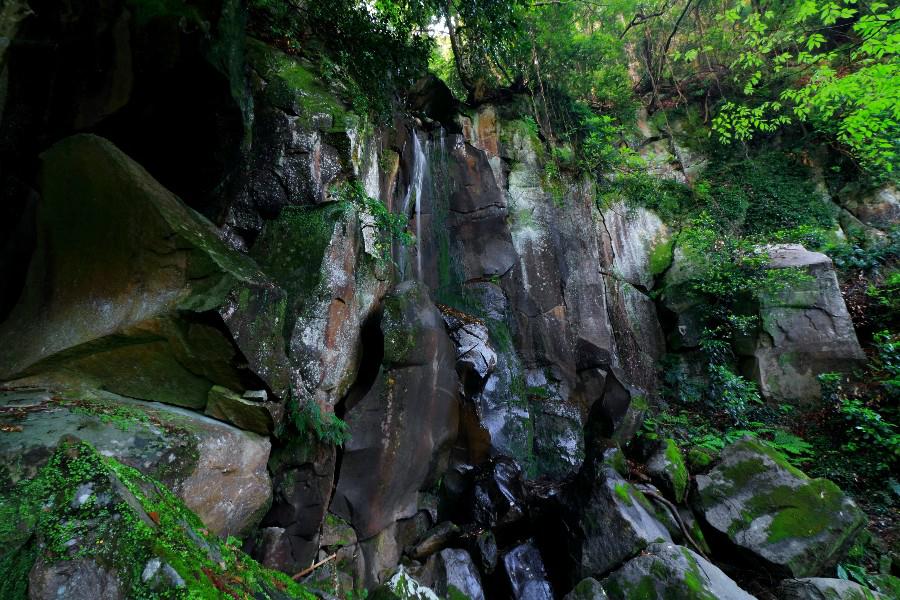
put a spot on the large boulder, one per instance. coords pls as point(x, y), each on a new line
point(123, 285)
point(670, 571)
point(805, 330)
point(332, 285)
point(218, 471)
point(774, 513)
point(606, 521)
point(87, 526)
point(822, 588)
point(402, 427)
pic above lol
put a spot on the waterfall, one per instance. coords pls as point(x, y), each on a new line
point(416, 185)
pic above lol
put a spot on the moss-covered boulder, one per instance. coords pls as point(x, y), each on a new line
point(668, 470)
point(776, 514)
point(217, 470)
point(587, 589)
point(821, 588)
point(87, 526)
point(670, 571)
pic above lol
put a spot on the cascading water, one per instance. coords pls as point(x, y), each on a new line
point(416, 185)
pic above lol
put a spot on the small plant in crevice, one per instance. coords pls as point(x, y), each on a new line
point(309, 417)
point(389, 226)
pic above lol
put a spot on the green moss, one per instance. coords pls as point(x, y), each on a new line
point(292, 82)
point(84, 505)
point(740, 473)
point(291, 248)
point(616, 460)
point(776, 457)
point(699, 459)
point(639, 403)
point(802, 512)
point(677, 469)
point(622, 490)
point(644, 590)
point(453, 593)
point(661, 257)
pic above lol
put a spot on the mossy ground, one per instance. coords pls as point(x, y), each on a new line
point(85, 505)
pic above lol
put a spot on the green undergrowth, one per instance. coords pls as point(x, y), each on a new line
point(744, 196)
point(83, 505)
point(293, 81)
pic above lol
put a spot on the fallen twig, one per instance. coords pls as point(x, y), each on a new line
point(313, 567)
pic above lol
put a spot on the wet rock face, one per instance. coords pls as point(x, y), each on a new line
point(457, 575)
point(219, 471)
point(402, 428)
point(497, 494)
point(475, 357)
point(770, 510)
point(477, 214)
point(806, 330)
point(606, 521)
point(522, 266)
point(670, 571)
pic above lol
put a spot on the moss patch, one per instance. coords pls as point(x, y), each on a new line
point(676, 468)
point(802, 512)
point(292, 83)
point(292, 247)
point(661, 257)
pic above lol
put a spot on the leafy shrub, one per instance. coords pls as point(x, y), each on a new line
point(860, 442)
point(765, 193)
point(373, 50)
point(735, 394)
point(666, 197)
point(389, 226)
point(599, 144)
